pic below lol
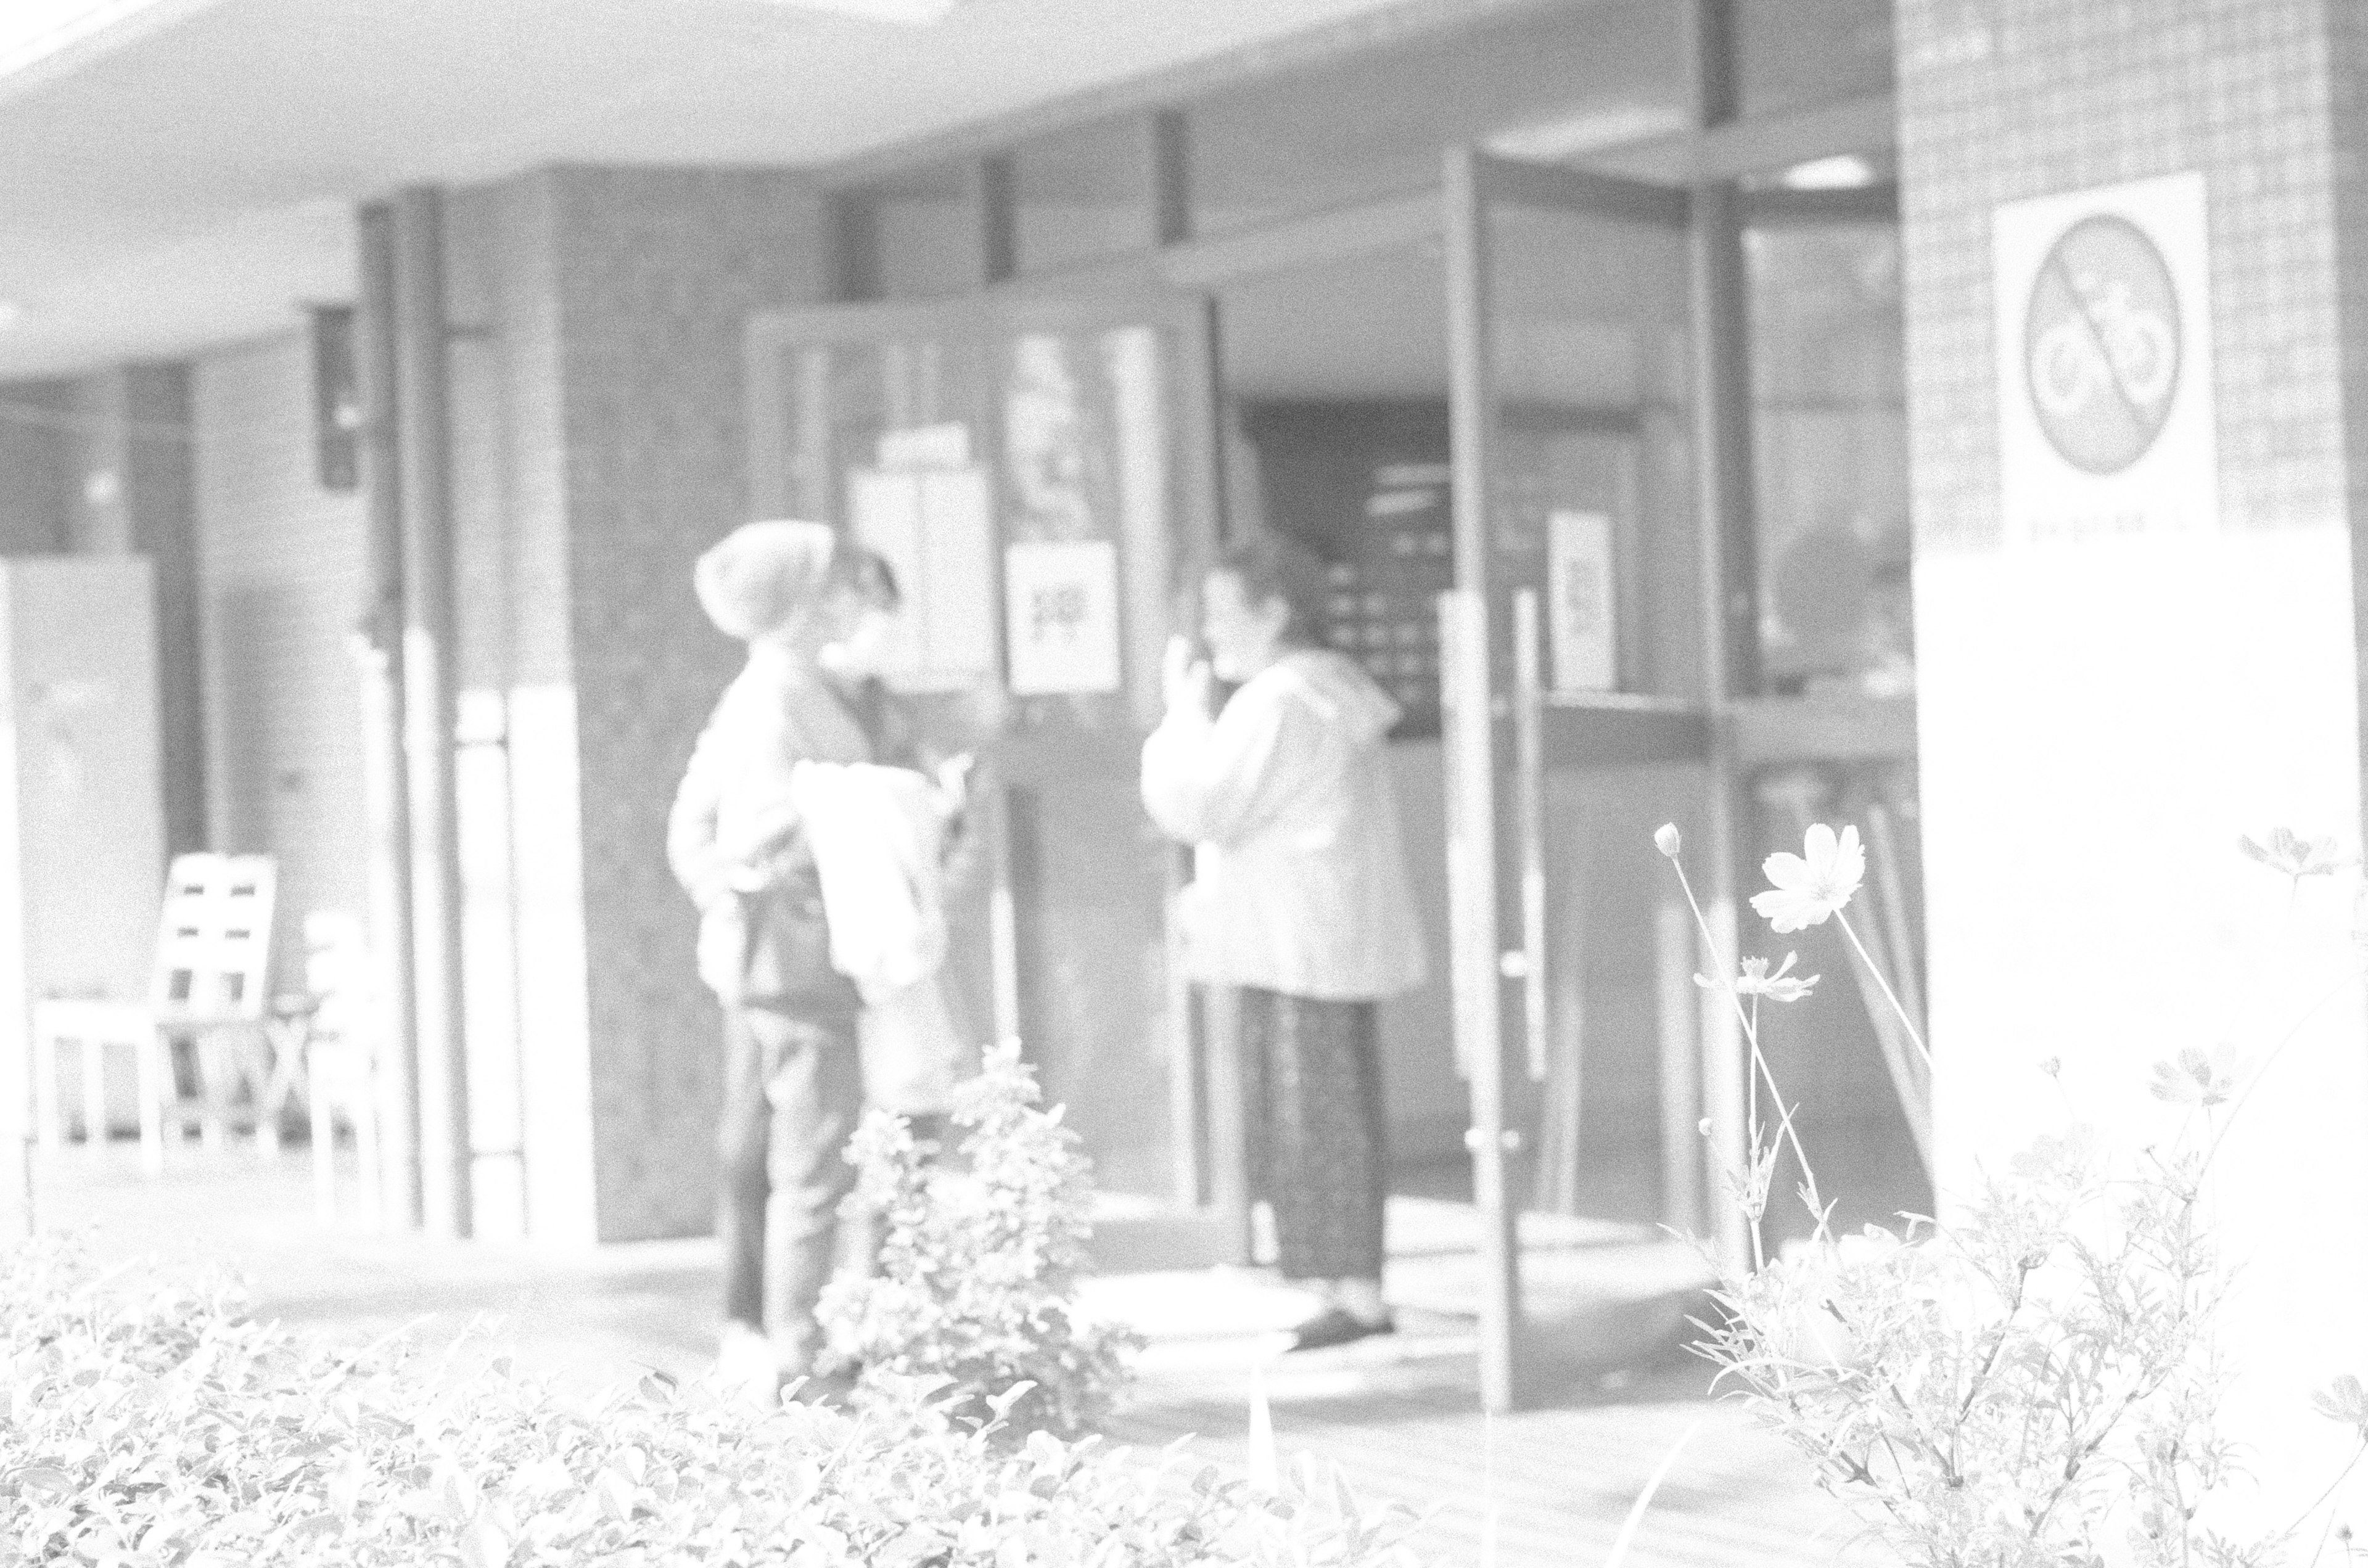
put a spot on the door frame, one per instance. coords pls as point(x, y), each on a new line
point(1208, 1222)
point(1498, 718)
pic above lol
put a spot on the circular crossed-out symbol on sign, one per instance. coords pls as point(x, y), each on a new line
point(2101, 344)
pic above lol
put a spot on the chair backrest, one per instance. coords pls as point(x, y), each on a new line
point(213, 946)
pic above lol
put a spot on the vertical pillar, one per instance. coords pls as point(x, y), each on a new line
point(378, 648)
point(995, 187)
point(425, 462)
point(1170, 133)
point(1476, 766)
point(1729, 610)
point(2177, 557)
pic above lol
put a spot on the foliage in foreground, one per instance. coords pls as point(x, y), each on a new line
point(975, 1283)
point(150, 1422)
point(2034, 1384)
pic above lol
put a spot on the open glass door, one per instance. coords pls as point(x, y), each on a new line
point(1575, 693)
point(1037, 469)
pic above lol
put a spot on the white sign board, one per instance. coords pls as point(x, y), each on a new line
point(1581, 619)
point(936, 529)
point(2104, 364)
point(1060, 616)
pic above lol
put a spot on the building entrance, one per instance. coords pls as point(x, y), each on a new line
point(1034, 468)
point(1619, 380)
point(1606, 656)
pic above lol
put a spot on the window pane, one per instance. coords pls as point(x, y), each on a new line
point(1550, 86)
point(1829, 426)
point(927, 223)
point(1084, 193)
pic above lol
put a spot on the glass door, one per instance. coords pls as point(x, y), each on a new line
point(1038, 471)
point(1575, 695)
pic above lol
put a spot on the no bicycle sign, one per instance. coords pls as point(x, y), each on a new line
point(2105, 409)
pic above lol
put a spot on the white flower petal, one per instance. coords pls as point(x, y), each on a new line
point(1848, 866)
point(1817, 848)
point(1787, 871)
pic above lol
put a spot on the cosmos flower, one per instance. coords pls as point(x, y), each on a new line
point(2291, 855)
point(1813, 884)
point(1755, 981)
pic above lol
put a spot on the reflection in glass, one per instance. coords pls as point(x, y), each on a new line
point(1829, 424)
point(1589, 347)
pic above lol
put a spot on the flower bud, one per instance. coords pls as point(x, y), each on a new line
point(1665, 839)
point(1703, 1127)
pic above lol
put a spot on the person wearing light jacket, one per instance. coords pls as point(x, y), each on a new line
point(1299, 898)
point(792, 1077)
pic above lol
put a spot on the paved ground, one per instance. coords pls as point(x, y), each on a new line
point(1607, 1398)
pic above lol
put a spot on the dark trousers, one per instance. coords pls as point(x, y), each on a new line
point(1317, 1134)
point(792, 1090)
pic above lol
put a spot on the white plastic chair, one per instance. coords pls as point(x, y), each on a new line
point(340, 1057)
point(210, 987)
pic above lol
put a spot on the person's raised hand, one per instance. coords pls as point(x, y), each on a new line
point(1186, 677)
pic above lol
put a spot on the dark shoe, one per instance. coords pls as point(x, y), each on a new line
point(1333, 1326)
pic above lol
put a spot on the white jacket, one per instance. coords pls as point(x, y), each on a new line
point(877, 835)
point(1299, 882)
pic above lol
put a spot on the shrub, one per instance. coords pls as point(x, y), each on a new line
point(150, 1422)
point(2034, 1383)
point(975, 1282)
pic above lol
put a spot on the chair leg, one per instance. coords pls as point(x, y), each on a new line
point(94, 1094)
point(324, 1160)
point(363, 1112)
point(49, 1117)
point(214, 1066)
point(153, 1057)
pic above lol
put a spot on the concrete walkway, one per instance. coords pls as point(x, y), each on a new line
point(1608, 1395)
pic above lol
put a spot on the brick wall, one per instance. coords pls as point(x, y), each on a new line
point(601, 445)
point(279, 564)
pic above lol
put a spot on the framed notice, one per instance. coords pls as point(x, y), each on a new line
point(935, 528)
point(1060, 616)
point(2106, 420)
point(1582, 611)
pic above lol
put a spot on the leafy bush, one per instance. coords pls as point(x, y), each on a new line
point(150, 1422)
point(2034, 1383)
point(975, 1283)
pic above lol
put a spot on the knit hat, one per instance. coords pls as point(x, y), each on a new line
point(760, 575)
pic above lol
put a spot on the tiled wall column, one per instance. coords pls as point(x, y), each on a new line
point(615, 300)
point(2100, 720)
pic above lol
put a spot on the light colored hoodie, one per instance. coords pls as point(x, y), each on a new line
point(1299, 875)
point(878, 839)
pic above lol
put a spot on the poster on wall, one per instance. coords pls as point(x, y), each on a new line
point(935, 528)
point(2106, 425)
point(1581, 616)
point(1060, 616)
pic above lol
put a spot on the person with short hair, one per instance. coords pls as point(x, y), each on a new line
point(792, 1084)
point(1299, 898)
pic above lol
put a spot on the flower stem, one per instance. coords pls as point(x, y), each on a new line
point(1751, 1036)
point(1876, 969)
point(2262, 1072)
